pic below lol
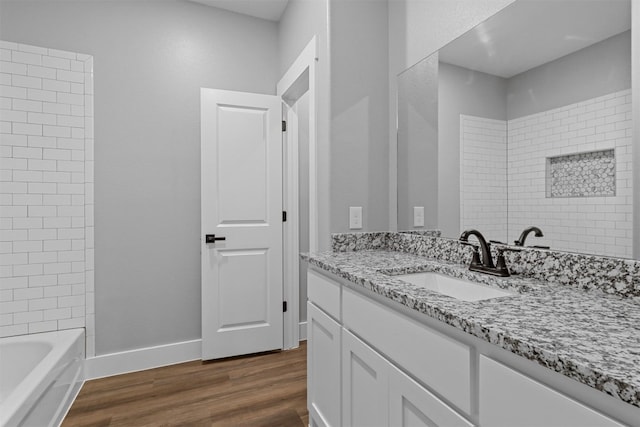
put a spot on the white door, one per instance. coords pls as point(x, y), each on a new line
point(241, 161)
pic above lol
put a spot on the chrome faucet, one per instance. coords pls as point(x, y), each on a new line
point(537, 232)
point(486, 266)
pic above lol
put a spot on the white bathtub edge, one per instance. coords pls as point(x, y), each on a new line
point(75, 391)
point(67, 352)
point(142, 359)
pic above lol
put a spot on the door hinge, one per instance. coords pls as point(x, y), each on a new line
point(284, 126)
point(284, 216)
point(284, 306)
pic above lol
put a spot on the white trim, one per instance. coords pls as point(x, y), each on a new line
point(393, 157)
point(307, 60)
point(142, 359)
point(635, 134)
point(291, 229)
point(304, 63)
point(461, 168)
point(302, 326)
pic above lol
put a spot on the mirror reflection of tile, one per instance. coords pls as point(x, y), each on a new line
point(587, 174)
point(568, 171)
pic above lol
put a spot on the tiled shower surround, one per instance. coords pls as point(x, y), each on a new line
point(483, 190)
point(582, 175)
point(594, 224)
point(584, 222)
point(46, 210)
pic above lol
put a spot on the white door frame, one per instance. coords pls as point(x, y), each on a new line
point(303, 67)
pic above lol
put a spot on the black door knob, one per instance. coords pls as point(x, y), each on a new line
point(211, 238)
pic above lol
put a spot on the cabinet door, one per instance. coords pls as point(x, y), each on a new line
point(411, 405)
point(364, 384)
point(323, 368)
point(432, 357)
point(510, 399)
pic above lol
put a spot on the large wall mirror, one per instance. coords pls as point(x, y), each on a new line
point(525, 120)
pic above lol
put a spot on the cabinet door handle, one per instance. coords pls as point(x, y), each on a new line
point(211, 238)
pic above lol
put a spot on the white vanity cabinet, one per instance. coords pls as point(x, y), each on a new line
point(511, 399)
point(351, 384)
point(376, 393)
point(323, 350)
point(370, 364)
point(365, 384)
point(431, 357)
point(412, 405)
point(323, 368)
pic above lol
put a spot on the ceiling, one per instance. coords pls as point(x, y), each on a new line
point(525, 35)
point(265, 9)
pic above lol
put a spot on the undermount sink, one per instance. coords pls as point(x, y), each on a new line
point(457, 288)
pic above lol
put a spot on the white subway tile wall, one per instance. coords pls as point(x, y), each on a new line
point(46, 191)
point(599, 225)
point(596, 224)
point(483, 176)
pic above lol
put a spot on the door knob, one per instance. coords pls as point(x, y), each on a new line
point(211, 238)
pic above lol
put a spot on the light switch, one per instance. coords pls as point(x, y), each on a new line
point(355, 217)
point(418, 216)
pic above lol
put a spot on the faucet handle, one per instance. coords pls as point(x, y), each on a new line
point(501, 263)
point(475, 258)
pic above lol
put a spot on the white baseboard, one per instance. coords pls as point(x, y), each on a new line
point(142, 359)
point(302, 328)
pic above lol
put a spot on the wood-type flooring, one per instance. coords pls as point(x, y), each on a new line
point(264, 390)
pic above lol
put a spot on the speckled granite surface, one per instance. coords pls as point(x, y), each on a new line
point(586, 335)
point(344, 242)
point(617, 276)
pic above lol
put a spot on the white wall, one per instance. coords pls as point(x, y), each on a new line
point(151, 58)
point(352, 105)
point(417, 139)
point(359, 111)
point(46, 216)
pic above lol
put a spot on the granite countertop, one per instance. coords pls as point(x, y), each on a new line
point(589, 336)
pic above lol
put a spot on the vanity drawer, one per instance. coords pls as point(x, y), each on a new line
point(432, 358)
point(324, 293)
point(511, 399)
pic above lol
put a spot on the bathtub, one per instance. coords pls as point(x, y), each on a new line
point(40, 375)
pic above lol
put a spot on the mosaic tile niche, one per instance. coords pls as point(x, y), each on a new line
point(589, 174)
